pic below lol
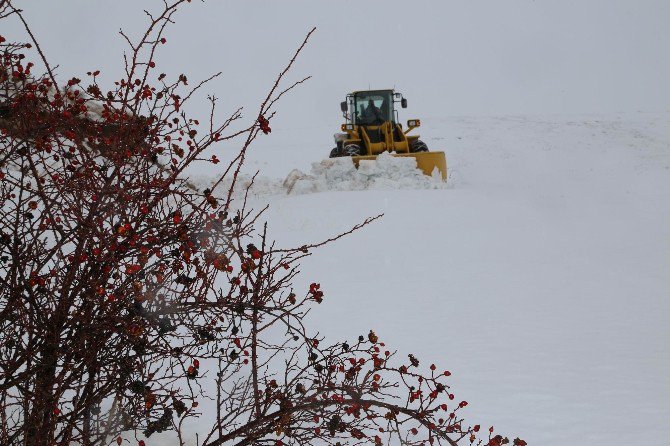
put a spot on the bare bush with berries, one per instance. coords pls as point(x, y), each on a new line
point(129, 297)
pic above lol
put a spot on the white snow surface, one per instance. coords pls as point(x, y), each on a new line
point(539, 275)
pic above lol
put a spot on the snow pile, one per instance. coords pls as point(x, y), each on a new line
point(337, 174)
point(386, 172)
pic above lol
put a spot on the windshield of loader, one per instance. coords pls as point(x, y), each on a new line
point(373, 107)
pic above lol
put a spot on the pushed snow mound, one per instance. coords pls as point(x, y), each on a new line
point(340, 174)
point(386, 172)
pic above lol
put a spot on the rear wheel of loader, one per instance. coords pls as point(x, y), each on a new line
point(337, 150)
point(418, 146)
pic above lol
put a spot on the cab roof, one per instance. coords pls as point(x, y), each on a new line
point(368, 91)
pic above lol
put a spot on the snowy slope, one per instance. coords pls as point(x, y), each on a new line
point(540, 277)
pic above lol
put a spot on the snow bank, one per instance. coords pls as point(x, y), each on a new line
point(340, 174)
point(386, 172)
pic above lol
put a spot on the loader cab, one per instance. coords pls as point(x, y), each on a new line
point(373, 107)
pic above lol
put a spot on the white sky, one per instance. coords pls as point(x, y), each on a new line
point(449, 57)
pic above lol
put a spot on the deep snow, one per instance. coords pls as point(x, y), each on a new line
point(540, 276)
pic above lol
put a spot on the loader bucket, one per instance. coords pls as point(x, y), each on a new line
point(426, 161)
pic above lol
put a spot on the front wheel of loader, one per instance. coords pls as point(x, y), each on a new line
point(418, 146)
point(352, 150)
point(335, 153)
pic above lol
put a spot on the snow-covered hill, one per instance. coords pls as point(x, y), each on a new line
point(540, 276)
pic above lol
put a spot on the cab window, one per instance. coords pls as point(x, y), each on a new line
point(372, 108)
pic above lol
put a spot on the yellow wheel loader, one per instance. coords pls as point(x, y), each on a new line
point(372, 127)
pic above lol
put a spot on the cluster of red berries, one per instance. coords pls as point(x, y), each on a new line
point(264, 124)
point(315, 292)
point(192, 371)
point(253, 251)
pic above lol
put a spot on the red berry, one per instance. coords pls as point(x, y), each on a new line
point(132, 269)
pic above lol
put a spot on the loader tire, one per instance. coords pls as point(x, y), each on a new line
point(352, 150)
point(418, 146)
point(335, 153)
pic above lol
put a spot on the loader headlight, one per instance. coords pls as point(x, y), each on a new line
point(414, 123)
point(347, 127)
